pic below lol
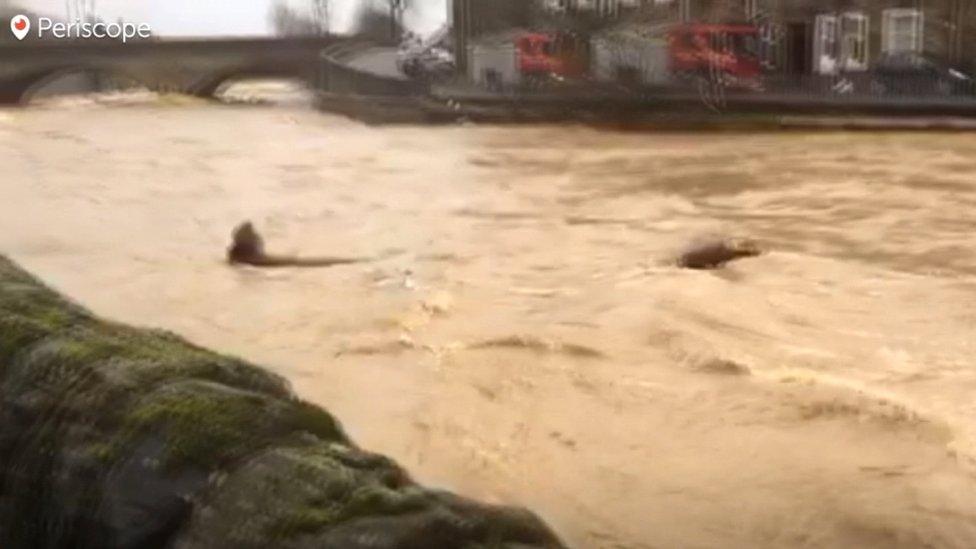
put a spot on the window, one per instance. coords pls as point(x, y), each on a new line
point(752, 10)
point(854, 41)
point(745, 45)
point(771, 44)
point(901, 30)
point(825, 44)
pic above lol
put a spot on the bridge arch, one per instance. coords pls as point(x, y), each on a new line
point(208, 85)
point(198, 66)
point(31, 84)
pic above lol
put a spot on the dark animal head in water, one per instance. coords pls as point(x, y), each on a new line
point(714, 253)
point(247, 244)
point(247, 248)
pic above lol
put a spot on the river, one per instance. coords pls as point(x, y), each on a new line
point(522, 337)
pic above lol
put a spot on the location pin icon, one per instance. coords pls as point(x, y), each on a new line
point(20, 26)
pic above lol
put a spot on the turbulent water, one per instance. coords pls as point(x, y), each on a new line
point(522, 336)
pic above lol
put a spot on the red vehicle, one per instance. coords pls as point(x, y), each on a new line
point(552, 54)
point(700, 49)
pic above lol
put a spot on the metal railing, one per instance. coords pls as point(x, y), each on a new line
point(335, 76)
point(862, 86)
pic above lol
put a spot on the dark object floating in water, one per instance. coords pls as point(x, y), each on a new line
point(720, 366)
point(247, 248)
point(716, 252)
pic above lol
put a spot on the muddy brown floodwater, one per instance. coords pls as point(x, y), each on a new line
point(523, 339)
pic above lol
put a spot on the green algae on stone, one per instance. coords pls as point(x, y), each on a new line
point(201, 424)
point(306, 496)
point(113, 436)
point(31, 313)
point(207, 425)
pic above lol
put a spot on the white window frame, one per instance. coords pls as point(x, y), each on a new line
point(586, 5)
point(751, 8)
point(826, 33)
point(897, 36)
point(556, 5)
point(854, 41)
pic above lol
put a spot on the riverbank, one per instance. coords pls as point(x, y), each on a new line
point(380, 110)
point(114, 437)
point(365, 84)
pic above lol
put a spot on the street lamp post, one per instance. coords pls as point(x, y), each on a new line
point(461, 12)
point(396, 15)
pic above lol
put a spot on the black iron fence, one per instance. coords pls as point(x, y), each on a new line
point(877, 92)
point(948, 86)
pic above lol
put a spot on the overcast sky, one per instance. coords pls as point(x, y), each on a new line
point(222, 17)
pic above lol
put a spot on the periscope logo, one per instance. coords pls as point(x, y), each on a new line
point(20, 26)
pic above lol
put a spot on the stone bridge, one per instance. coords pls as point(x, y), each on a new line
point(196, 67)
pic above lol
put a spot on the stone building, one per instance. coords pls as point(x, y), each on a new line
point(827, 35)
point(470, 19)
point(798, 36)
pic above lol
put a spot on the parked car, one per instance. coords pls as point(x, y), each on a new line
point(913, 74)
point(428, 59)
point(408, 54)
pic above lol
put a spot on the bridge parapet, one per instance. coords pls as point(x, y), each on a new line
point(196, 67)
point(337, 75)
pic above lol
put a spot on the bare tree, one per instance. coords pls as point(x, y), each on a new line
point(322, 14)
point(397, 7)
point(287, 21)
point(376, 23)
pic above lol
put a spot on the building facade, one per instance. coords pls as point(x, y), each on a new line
point(797, 37)
point(829, 36)
point(470, 19)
